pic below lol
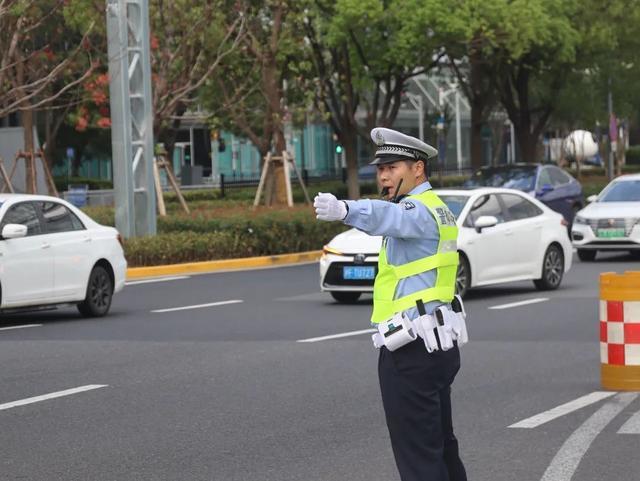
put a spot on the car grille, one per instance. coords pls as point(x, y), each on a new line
point(626, 224)
point(334, 275)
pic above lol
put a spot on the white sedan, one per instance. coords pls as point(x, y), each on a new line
point(51, 253)
point(504, 236)
point(611, 222)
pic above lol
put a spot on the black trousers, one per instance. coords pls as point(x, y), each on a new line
point(416, 395)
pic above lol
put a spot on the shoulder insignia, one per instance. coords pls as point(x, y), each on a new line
point(407, 205)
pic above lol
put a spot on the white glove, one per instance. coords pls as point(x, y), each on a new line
point(329, 208)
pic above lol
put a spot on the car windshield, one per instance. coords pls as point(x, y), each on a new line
point(455, 202)
point(622, 191)
point(521, 178)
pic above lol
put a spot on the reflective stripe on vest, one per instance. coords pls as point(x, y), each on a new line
point(445, 261)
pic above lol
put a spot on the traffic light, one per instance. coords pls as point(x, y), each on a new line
point(338, 149)
point(221, 145)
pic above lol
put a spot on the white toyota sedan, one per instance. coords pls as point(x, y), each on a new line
point(611, 222)
point(504, 236)
point(51, 254)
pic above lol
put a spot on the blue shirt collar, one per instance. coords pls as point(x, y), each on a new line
point(420, 188)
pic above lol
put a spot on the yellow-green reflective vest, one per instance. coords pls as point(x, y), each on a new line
point(445, 261)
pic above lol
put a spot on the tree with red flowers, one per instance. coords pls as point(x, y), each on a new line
point(42, 61)
point(189, 39)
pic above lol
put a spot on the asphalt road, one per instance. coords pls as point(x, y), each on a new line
point(225, 392)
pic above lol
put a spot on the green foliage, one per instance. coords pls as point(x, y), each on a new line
point(599, 173)
point(62, 183)
point(594, 186)
point(192, 240)
point(633, 155)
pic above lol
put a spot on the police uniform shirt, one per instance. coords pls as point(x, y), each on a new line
point(410, 233)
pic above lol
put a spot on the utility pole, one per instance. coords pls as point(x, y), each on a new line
point(131, 116)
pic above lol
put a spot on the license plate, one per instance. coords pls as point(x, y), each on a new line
point(358, 273)
point(609, 233)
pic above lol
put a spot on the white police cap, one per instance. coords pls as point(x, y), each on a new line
point(394, 146)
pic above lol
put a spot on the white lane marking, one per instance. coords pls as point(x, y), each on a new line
point(632, 426)
point(160, 279)
point(24, 326)
point(313, 296)
point(551, 414)
point(337, 336)
point(566, 461)
point(521, 303)
point(199, 306)
point(53, 395)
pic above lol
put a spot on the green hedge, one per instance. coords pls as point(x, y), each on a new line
point(633, 155)
point(62, 183)
point(252, 239)
point(601, 172)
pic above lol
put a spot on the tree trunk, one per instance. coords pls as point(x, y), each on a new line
point(350, 142)
point(51, 136)
point(280, 197)
point(273, 93)
point(476, 134)
point(527, 142)
point(478, 106)
point(30, 168)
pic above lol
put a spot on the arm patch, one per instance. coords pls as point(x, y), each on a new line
point(445, 216)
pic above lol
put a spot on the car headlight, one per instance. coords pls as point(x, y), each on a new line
point(580, 220)
point(330, 250)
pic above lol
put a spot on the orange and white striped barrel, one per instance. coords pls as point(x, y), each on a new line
point(620, 331)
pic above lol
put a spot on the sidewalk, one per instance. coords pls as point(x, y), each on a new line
point(222, 265)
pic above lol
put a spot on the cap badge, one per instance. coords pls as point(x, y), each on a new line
point(379, 139)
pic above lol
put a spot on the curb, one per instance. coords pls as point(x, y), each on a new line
point(222, 265)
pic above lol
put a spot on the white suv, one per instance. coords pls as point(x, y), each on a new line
point(611, 222)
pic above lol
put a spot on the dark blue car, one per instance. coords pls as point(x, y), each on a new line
point(548, 183)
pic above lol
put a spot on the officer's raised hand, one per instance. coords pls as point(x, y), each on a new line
point(329, 208)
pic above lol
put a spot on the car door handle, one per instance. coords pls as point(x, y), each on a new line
point(45, 245)
point(508, 232)
point(86, 239)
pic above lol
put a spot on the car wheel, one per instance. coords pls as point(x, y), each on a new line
point(552, 269)
point(463, 276)
point(587, 254)
point(346, 297)
point(99, 293)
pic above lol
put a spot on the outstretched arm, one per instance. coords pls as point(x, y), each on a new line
point(407, 219)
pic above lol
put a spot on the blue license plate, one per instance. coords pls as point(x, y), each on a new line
point(358, 273)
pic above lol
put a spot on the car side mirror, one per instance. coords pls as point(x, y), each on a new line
point(14, 231)
point(546, 188)
point(485, 221)
point(592, 198)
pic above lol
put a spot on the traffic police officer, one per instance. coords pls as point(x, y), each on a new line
point(416, 273)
